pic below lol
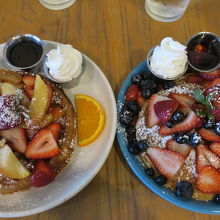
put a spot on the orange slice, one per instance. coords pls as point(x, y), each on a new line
point(90, 119)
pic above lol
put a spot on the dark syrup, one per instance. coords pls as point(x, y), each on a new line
point(24, 54)
point(204, 52)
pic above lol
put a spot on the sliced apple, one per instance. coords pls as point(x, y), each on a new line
point(8, 89)
point(40, 100)
point(10, 76)
point(10, 166)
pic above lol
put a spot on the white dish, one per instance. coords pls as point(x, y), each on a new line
point(86, 161)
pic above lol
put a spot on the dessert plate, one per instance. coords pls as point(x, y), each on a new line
point(137, 167)
point(86, 161)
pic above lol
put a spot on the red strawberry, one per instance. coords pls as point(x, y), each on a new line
point(151, 118)
point(43, 174)
point(213, 86)
point(55, 129)
point(201, 160)
point(208, 180)
point(184, 99)
point(132, 92)
point(29, 91)
point(29, 81)
point(167, 162)
point(43, 145)
point(190, 122)
point(164, 109)
point(215, 148)
point(183, 149)
point(210, 75)
point(9, 116)
point(17, 136)
point(216, 113)
point(140, 99)
point(209, 135)
point(195, 79)
point(197, 106)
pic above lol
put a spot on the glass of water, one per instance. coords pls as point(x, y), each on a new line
point(57, 4)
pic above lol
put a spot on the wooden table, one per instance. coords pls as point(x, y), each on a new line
point(116, 35)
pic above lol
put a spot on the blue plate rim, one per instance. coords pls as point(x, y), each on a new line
point(136, 166)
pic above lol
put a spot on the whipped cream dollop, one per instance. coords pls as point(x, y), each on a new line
point(64, 63)
point(169, 59)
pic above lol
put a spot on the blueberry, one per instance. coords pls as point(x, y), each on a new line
point(209, 124)
point(133, 106)
point(149, 84)
point(168, 84)
point(181, 138)
point(146, 93)
point(217, 128)
point(161, 180)
point(126, 116)
point(131, 139)
point(184, 190)
point(170, 123)
point(146, 75)
point(136, 79)
point(131, 130)
point(217, 199)
point(142, 145)
point(150, 171)
point(194, 139)
point(133, 149)
point(178, 116)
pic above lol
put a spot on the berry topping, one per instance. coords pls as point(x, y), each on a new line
point(131, 130)
point(208, 180)
point(210, 75)
point(167, 162)
point(142, 145)
point(194, 139)
point(209, 124)
point(184, 190)
point(217, 199)
point(133, 148)
point(209, 135)
point(55, 129)
point(126, 116)
point(43, 174)
point(178, 116)
point(9, 115)
point(132, 139)
point(168, 84)
point(164, 109)
point(161, 180)
point(183, 149)
point(184, 99)
point(149, 84)
point(146, 93)
point(133, 106)
point(152, 119)
point(217, 128)
point(170, 123)
point(181, 138)
point(136, 79)
point(150, 171)
point(43, 145)
point(140, 99)
point(131, 93)
point(215, 148)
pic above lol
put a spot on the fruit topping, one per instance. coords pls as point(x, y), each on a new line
point(29, 81)
point(17, 136)
point(194, 139)
point(184, 99)
point(181, 138)
point(209, 135)
point(10, 76)
point(217, 198)
point(209, 124)
point(213, 87)
point(191, 121)
point(140, 99)
point(161, 180)
point(215, 148)
point(10, 166)
point(132, 92)
point(170, 123)
point(183, 149)
point(133, 148)
point(29, 92)
point(184, 190)
point(142, 145)
point(164, 109)
point(146, 93)
point(43, 174)
point(208, 180)
point(152, 118)
point(43, 145)
point(150, 172)
point(136, 79)
point(210, 75)
point(8, 89)
point(9, 115)
point(126, 116)
point(167, 162)
point(217, 128)
point(167, 84)
point(133, 106)
point(178, 116)
point(195, 79)
point(149, 84)
point(55, 129)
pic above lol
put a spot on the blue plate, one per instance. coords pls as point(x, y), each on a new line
point(209, 207)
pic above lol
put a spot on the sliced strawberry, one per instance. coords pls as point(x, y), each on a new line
point(216, 113)
point(167, 162)
point(212, 87)
point(183, 149)
point(132, 92)
point(55, 129)
point(43, 174)
point(208, 180)
point(29, 81)
point(29, 91)
point(210, 75)
point(215, 148)
point(195, 79)
point(197, 106)
point(164, 109)
point(17, 136)
point(56, 111)
point(184, 99)
point(190, 122)
point(209, 135)
point(31, 133)
point(201, 160)
point(43, 145)
point(151, 118)
point(140, 99)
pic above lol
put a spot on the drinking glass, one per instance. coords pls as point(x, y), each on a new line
point(57, 4)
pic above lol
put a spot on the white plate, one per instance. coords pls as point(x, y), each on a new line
point(86, 161)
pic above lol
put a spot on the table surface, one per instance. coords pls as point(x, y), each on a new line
point(116, 35)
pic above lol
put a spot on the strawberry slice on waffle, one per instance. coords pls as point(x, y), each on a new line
point(210, 75)
point(167, 162)
point(208, 180)
point(209, 135)
point(184, 99)
point(190, 122)
point(215, 148)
